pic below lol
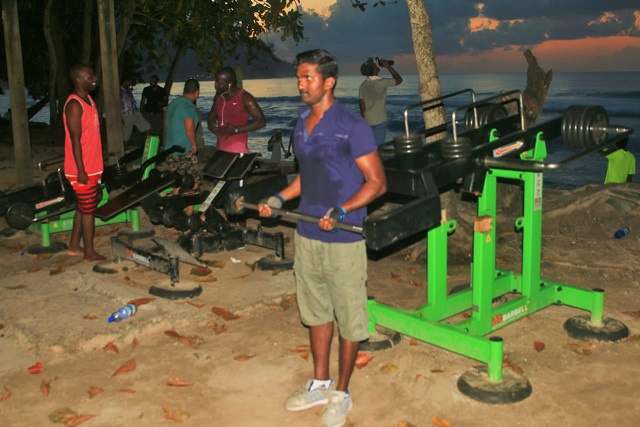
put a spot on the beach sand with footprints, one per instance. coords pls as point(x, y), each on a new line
point(230, 356)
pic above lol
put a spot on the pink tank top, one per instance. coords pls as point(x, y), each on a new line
point(90, 140)
point(231, 112)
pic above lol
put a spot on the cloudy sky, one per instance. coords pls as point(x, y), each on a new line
point(470, 36)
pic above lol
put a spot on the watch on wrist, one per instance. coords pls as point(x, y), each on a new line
point(236, 130)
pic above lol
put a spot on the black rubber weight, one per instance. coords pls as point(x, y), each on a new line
point(512, 388)
point(579, 327)
point(175, 293)
point(381, 340)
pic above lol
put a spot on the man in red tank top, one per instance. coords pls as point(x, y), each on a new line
point(83, 164)
point(230, 113)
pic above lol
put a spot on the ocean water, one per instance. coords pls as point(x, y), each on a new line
point(618, 93)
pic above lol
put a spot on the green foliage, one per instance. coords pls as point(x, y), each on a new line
point(363, 5)
point(214, 29)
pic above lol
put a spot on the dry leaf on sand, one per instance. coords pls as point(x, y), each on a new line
point(178, 382)
point(192, 341)
point(224, 313)
point(111, 347)
point(141, 301)
point(36, 369)
point(128, 366)
point(362, 360)
point(94, 391)
point(389, 368)
point(45, 387)
point(6, 394)
point(244, 357)
point(174, 414)
point(440, 423)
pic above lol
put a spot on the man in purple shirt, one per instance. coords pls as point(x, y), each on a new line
point(340, 173)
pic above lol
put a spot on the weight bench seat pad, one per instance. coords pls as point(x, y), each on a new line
point(228, 166)
point(132, 196)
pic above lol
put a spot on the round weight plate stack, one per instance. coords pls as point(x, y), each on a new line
point(487, 113)
point(194, 222)
point(169, 215)
point(20, 215)
point(452, 149)
point(407, 144)
point(187, 182)
point(492, 113)
point(582, 126)
point(52, 179)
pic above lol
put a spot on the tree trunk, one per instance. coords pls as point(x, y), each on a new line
point(425, 58)
point(87, 28)
point(175, 64)
point(63, 84)
point(15, 72)
point(125, 19)
point(111, 86)
point(53, 64)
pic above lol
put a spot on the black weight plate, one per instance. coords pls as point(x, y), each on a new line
point(570, 120)
point(20, 215)
point(490, 113)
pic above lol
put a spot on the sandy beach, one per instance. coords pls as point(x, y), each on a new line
point(230, 356)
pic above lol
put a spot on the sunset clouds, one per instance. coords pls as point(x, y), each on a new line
point(468, 36)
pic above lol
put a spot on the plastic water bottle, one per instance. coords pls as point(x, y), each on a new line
point(123, 312)
point(621, 233)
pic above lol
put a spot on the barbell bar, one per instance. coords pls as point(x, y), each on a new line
point(240, 203)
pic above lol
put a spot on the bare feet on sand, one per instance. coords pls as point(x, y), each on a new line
point(74, 251)
point(94, 257)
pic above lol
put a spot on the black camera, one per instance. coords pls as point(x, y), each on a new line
point(378, 61)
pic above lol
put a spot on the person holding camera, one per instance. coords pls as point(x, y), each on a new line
point(373, 95)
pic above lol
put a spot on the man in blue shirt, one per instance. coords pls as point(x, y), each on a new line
point(182, 121)
point(340, 173)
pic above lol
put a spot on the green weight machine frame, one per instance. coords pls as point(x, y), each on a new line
point(65, 221)
point(427, 322)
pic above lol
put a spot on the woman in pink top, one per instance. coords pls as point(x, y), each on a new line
point(230, 113)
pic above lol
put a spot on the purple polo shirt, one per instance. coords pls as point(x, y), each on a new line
point(329, 175)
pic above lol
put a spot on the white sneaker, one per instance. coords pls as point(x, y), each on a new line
point(305, 397)
point(335, 414)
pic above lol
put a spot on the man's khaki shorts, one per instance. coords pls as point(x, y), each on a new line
point(186, 164)
point(331, 283)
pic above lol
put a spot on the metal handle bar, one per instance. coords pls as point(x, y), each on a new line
point(303, 217)
point(47, 162)
point(423, 105)
point(475, 104)
point(517, 164)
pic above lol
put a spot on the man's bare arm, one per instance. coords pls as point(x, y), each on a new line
point(73, 112)
point(190, 128)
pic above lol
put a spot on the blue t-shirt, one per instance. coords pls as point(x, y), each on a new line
point(329, 175)
point(179, 109)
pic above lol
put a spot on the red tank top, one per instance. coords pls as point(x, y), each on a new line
point(231, 112)
point(89, 140)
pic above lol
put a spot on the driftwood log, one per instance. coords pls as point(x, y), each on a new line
point(535, 93)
